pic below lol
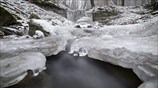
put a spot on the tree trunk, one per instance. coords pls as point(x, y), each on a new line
point(85, 4)
point(153, 1)
point(111, 3)
point(123, 2)
point(92, 3)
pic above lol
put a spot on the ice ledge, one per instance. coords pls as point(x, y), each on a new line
point(14, 69)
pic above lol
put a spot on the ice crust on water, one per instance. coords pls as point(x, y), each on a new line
point(14, 69)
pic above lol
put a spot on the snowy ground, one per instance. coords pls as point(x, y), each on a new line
point(127, 15)
point(24, 8)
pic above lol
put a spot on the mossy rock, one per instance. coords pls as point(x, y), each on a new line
point(34, 16)
point(6, 18)
point(33, 28)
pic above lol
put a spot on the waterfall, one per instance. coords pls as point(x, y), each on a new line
point(78, 4)
point(78, 8)
point(74, 15)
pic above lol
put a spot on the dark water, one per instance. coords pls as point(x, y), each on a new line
point(65, 71)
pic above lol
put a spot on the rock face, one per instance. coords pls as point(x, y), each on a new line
point(23, 9)
point(14, 69)
point(6, 18)
point(85, 4)
point(102, 14)
point(50, 6)
point(132, 2)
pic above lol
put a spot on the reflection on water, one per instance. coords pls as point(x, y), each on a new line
point(65, 71)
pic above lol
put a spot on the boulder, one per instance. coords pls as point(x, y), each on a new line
point(102, 14)
point(14, 69)
point(84, 20)
point(6, 18)
point(33, 27)
point(34, 16)
point(38, 35)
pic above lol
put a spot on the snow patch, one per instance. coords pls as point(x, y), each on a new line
point(45, 25)
point(38, 34)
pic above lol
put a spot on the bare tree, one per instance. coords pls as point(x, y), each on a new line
point(111, 3)
point(92, 3)
point(123, 2)
point(153, 1)
point(85, 4)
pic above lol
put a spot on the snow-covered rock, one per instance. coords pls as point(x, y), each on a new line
point(84, 20)
point(14, 69)
point(38, 34)
point(44, 24)
point(81, 52)
point(130, 46)
point(83, 25)
point(149, 84)
point(48, 46)
point(147, 71)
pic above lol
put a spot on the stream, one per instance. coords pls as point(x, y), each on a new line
point(66, 71)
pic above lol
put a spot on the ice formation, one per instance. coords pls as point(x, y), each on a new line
point(14, 69)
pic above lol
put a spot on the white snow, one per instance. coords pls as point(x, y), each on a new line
point(84, 19)
point(149, 84)
point(38, 34)
point(125, 45)
point(15, 68)
point(44, 24)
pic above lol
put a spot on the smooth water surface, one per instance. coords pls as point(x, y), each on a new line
point(66, 71)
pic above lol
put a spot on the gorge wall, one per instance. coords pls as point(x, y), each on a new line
point(86, 4)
